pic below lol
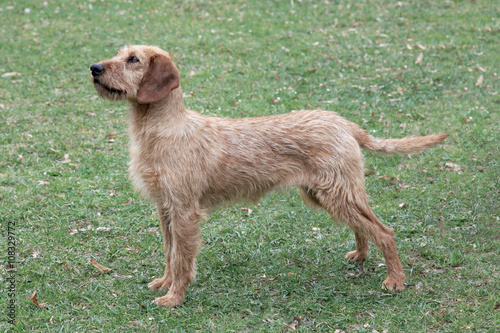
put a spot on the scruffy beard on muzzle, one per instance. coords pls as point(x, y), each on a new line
point(108, 92)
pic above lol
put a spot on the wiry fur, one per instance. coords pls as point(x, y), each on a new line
point(189, 163)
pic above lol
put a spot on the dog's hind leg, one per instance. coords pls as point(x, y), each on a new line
point(344, 197)
point(359, 217)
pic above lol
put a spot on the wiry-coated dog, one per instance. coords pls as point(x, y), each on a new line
point(189, 163)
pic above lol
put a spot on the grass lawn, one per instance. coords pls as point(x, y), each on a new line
point(397, 68)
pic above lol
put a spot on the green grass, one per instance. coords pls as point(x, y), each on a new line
point(258, 271)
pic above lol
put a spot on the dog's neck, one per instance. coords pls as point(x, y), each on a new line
point(168, 115)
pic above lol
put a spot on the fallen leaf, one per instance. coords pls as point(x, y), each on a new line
point(479, 81)
point(248, 210)
point(130, 200)
point(123, 276)
point(34, 253)
point(263, 277)
point(294, 323)
point(479, 68)
point(111, 134)
point(10, 74)
point(468, 119)
point(43, 182)
point(402, 205)
point(369, 172)
point(35, 301)
point(455, 167)
point(132, 248)
point(153, 231)
point(419, 59)
point(51, 320)
point(386, 178)
point(420, 46)
point(73, 232)
point(101, 268)
point(103, 229)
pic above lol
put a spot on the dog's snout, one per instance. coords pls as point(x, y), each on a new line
point(97, 69)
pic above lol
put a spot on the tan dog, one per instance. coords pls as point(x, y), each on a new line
point(189, 163)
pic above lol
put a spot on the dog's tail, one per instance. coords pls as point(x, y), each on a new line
point(406, 145)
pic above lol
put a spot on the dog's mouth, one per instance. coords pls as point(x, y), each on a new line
point(109, 90)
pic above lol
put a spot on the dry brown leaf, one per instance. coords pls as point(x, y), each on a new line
point(101, 268)
point(403, 204)
point(111, 134)
point(468, 119)
point(420, 46)
point(479, 81)
point(103, 229)
point(130, 200)
point(153, 231)
point(10, 74)
point(420, 58)
point(66, 159)
point(479, 68)
point(455, 167)
point(386, 178)
point(123, 276)
point(293, 325)
point(248, 210)
point(369, 172)
point(263, 277)
point(35, 301)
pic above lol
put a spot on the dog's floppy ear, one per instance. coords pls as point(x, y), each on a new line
point(161, 77)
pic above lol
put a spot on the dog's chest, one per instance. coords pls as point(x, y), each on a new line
point(142, 172)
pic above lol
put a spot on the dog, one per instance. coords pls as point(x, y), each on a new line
point(188, 163)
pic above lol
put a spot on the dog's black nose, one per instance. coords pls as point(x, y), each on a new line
point(97, 70)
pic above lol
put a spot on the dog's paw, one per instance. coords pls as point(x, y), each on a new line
point(356, 256)
point(393, 284)
point(170, 300)
point(160, 284)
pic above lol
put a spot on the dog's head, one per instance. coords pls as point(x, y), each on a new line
point(142, 74)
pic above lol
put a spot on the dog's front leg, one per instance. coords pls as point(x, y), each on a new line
point(184, 243)
point(164, 282)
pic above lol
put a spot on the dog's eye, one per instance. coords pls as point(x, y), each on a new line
point(132, 59)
